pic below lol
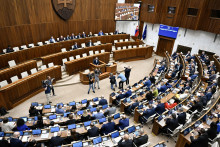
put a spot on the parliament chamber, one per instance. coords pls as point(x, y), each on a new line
point(126, 73)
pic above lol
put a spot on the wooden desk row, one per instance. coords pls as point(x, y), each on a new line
point(7, 73)
point(57, 57)
point(39, 51)
point(83, 63)
point(17, 92)
point(134, 53)
point(121, 44)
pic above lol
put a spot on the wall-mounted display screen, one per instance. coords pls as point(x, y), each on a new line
point(127, 11)
point(168, 31)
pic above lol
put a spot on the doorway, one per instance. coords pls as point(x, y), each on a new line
point(164, 44)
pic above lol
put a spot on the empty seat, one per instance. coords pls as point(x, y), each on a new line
point(71, 58)
point(4, 50)
point(96, 52)
point(102, 51)
point(140, 45)
point(24, 74)
point(64, 60)
point(16, 49)
point(113, 48)
point(3, 83)
point(31, 45)
point(126, 39)
point(58, 39)
point(115, 41)
point(24, 47)
point(121, 40)
point(129, 46)
point(98, 42)
point(95, 34)
point(106, 33)
point(14, 78)
point(111, 33)
point(91, 53)
point(118, 48)
point(11, 63)
point(47, 42)
point(63, 50)
point(43, 67)
point(77, 56)
point(84, 55)
point(86, 71)
point(50, 64)
point(40, 43)
point(134, 46)
point(124, 47)
point(83, 45)
point(34, 70)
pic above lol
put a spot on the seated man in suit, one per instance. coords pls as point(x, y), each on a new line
point(101, 33)
point(193, 77)
point(116, 32)
point(108, 127)
point(57, 140)
point(125, 141)
point(89, 43)
point(61, 38)
point(201, 141)
point(83, 35)
point(181, 116)
point(202, 56)
point(59, 109)
point(110, 110)
point(79, 36)
point(188, 54)
point(94, 131)
point(208, 94)
point(162, 68)
point(120, 96)
point(123, 122)
point(207, 61)
point(9, 49)
point(72, 36)
point(98, 115)
point(90, 34)
point(149, 112)
point(76, 46)
point(68, 37)
point(171, 123)
point(52, 40)
point(103, 101)
point(96, 61)
point(162, 88)
point(128, 93)
point(147, 82)
point(132, 106)
point(142, 139)
point(16, 142)
point(198, 105)
point(71, 120)
point(160, 107)
point(174, 55)
point(212, 76)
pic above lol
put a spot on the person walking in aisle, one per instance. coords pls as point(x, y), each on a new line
point(127, 74)
point(97, 72)
point(113, 81)
point(90, 77)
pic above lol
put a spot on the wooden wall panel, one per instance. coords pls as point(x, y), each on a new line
point(31, 21)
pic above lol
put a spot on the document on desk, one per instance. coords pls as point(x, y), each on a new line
point(185, 107)
point(53, 109)
point(25, 138)
point(46, 135)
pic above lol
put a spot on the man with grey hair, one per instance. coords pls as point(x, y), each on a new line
point(110, 110)
point(125, 141)
point(16, 142)
point(141, 139)
point(56, 140)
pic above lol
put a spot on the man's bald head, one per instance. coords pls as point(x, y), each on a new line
point(59, 133)
point(16, 134)
point(126, 137)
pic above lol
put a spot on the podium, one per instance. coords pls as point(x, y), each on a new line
point(101, 66)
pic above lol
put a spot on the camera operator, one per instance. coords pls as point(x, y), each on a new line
point(50, 83)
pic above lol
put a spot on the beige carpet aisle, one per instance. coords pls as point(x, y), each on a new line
point(78, 91)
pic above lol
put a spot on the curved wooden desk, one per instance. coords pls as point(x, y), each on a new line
point(83, 63)
point(39, 51)
point(134, 53)
point(19, 91)
point(121, 44)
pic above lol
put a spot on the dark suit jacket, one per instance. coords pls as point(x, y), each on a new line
point(127, 143)
point(201, 141)
point(76, 46)
point(149, 112)
point(212, 133)
point(108, 128)
point(141, 140)
point(172, 124)
point(134, 105)
point(71, 121)
point(56, 141)
point(96, 62)
point(182, 118)
point(120, 96)
point(93, 132)
point(17, 143)
point(88, 44)
point(103, 102)
point(160, 108)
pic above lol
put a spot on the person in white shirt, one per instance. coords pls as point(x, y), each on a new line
point(7, 126)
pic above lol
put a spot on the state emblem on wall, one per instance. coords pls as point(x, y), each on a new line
point(64, 8)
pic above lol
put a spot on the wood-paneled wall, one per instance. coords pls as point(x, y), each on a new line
point(31, 21)
point(202, 21)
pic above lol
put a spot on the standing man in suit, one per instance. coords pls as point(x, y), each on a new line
point(108, 127)
point(181, 116)
point(89, 44)
point(96, 61)
point(122, 78)
point(125, 141)
point(127, 74)
point(94, 131)
point(140, 140)
point(97, 73)
point(50, 83)
point(57, 140)
point(90, 77)
point(47, 90)
point(101, 33)
point(113, 81)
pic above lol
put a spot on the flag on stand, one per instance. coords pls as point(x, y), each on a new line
point(145, 33)
point(136, 32)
